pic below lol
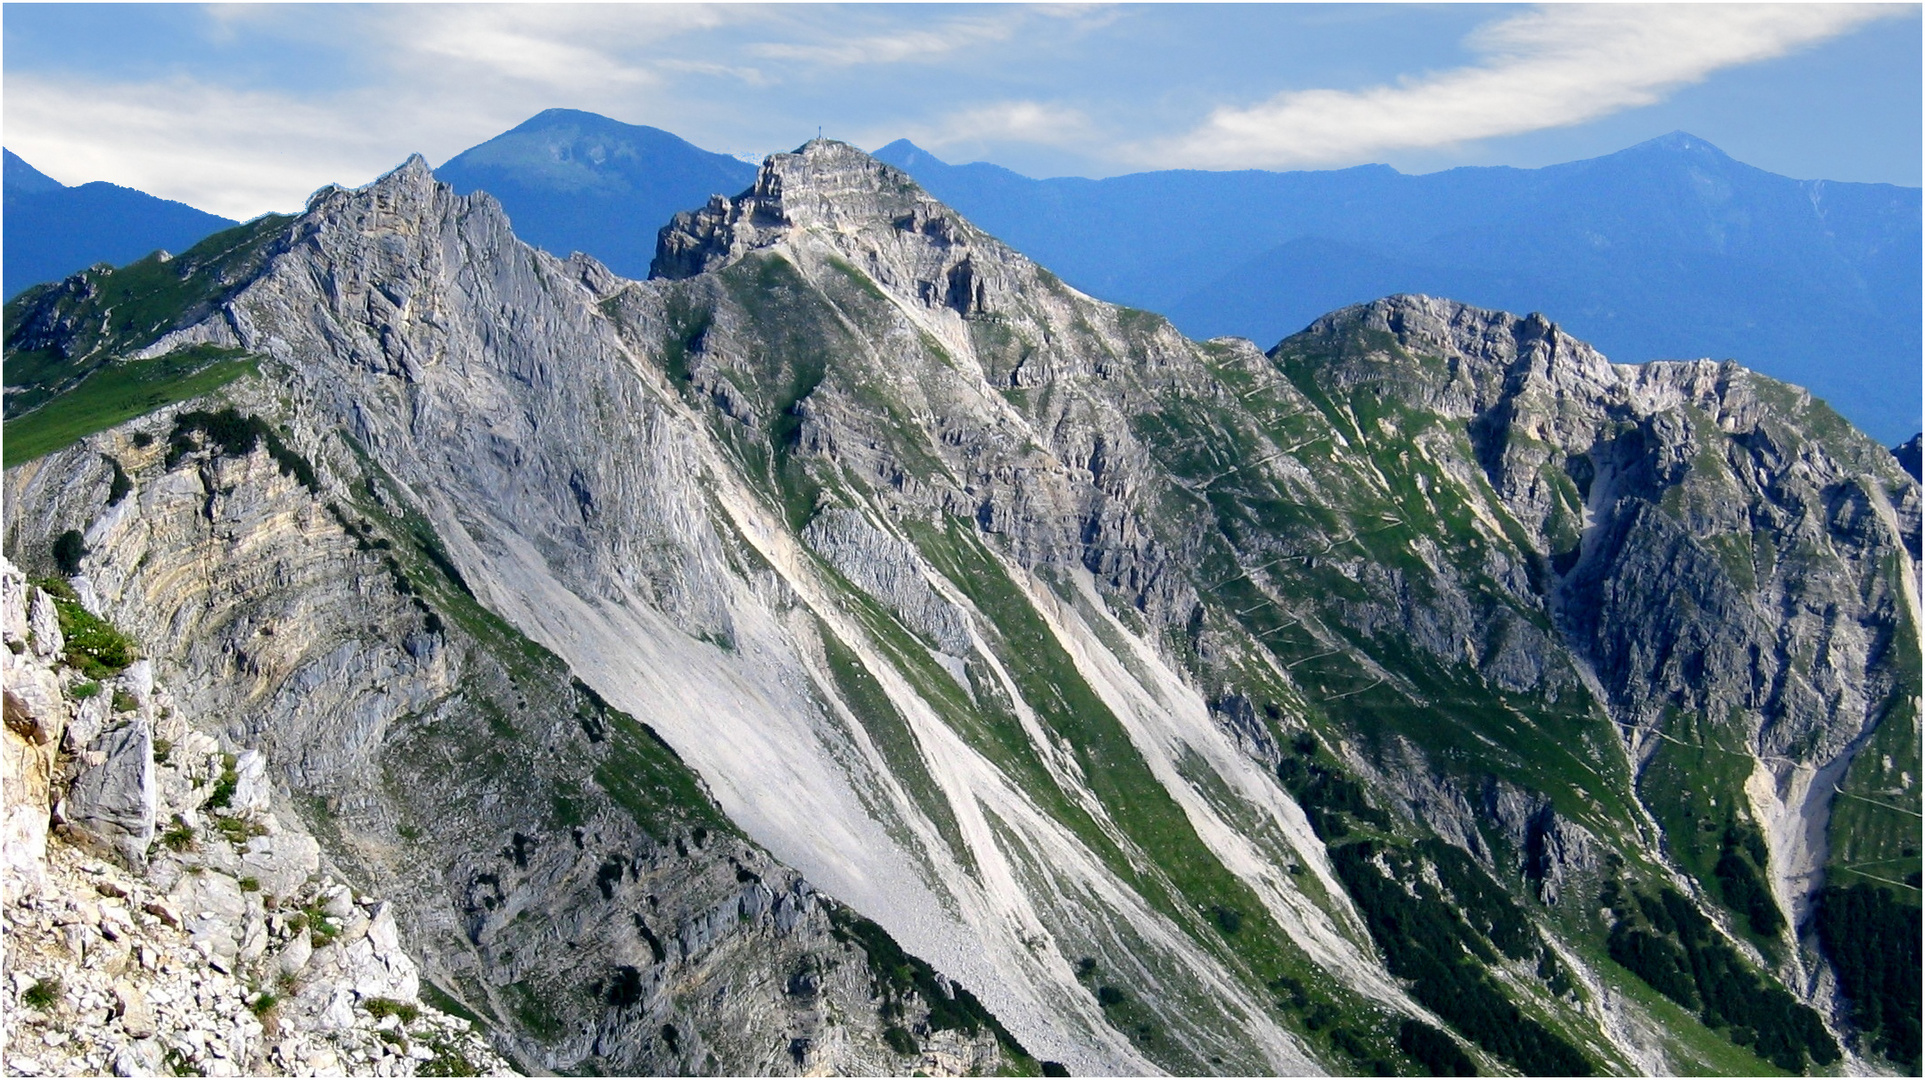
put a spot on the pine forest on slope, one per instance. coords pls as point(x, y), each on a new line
point(1425, 695)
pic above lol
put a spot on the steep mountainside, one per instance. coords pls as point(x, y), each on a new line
point(1664, 250)
point(54, 230)
point(1427, 694)
point(574, 181)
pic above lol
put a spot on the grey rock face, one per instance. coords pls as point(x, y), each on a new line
point(184, 956)
point(990, 609)
point(112, 800)
point(890, 570)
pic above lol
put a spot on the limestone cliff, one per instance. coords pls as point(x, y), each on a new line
point(1351, 706)
point(171, 922)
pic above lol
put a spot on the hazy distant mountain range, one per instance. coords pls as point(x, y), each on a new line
point(1669, 249)
point(53, 230)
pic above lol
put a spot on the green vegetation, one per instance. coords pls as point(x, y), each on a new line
point(42, 994)
point(122, 484)
point(900, 977)
point(531, 1007)
point(237, 831)
point(81, 691)
point(1872, 937)
point(900, 1040)
point(892, 736)
point(177, 837)
point(1667, 942)
point(1437, 1052)
point(1694, 785)
point(1874, 829)
point(109, 313)
point(225, 784)
point(115, 393)
point(124, 701)
point(237, 435)
point(448, 1060)
point(94, 646)
point(448, 1003)
point(68, 549)
point(1741, 877)
point(379, 1007)
point(644, 776)
point(1329, 799)
point(321, 928)
point(1426, 940)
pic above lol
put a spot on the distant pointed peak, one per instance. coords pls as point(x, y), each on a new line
point(416, 166)
point(904, 154)
point(413, 177)
point(23, 179)
point(1680, 142)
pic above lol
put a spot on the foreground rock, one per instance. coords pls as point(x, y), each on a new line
point(219, 946)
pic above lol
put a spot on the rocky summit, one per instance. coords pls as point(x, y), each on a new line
point(854, 650)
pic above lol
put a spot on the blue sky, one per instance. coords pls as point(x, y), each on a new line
point(241, 109)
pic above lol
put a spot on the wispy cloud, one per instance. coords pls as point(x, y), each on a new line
point(1005, 121)
point(558, 46)
point(352, 88)
point(1556, 66)
point(898, 46)
point(228, 152)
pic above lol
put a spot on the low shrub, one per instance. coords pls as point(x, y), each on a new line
point(224, 787)
point(379, 1007)
point(68, 549)
point(901, 1041)
point(178, 837)
point(42, 994)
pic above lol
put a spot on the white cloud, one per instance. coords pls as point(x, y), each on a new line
point(900, 46)
point(1556, 66)
point(1005, 121)
point(830, 43)
point(227, 152)
point(562, 47)
point(437, 79)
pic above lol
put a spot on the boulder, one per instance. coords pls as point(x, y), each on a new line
point(251, 787)
point(35, 709)
point(112, 804)
point(281, 862)
point(136, 1016)
point(43, 626)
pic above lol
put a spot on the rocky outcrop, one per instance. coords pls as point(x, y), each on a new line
point(111, 801)
point(220, 946)
point(890, 570)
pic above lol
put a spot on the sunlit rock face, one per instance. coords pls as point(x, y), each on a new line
point(1143, 687)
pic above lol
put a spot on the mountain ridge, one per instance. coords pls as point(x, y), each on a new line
point(54, 231)
point(1223, 706)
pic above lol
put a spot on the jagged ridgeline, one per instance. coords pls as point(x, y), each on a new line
point(1426, 695)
